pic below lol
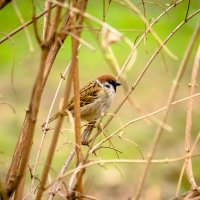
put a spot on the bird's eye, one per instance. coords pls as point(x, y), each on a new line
point(111, 82)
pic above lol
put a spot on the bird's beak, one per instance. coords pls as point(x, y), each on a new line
point(117, 84)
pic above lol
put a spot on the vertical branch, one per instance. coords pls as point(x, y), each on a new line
point(159, 131)
point(145, 26)
point(79, 188)
point(23, 148)
point(46, 24)
point(55, 135)
point(73, 73)
point(24, 144)
point(188, 128)
point(55, 21)
point(3, 193)
point(188, 7)
point(26, 31)
point(75, 44)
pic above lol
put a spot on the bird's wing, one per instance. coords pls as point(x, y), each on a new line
point(88, 94)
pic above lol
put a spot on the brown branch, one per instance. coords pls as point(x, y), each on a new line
point(143, 72)
point(37, 36)
point(123, 161)
point(46, 128)
point(24, 144)
point(75, 43)
point(138, 119)
point(57, 184)
point(172, 94)
point(26, 31)
point(3, 3)
point(20, 189)
point(54, 25)
point(188, 7)
point(3, 193)
point(55, 134)
point(47, 15)
point(183, 167)
point(144, 35)
point(20, 158)
point(188, 128)
point(25, 25)
point(63, 107)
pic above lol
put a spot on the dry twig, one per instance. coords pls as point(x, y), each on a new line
point(171, 96)
point(188, 128)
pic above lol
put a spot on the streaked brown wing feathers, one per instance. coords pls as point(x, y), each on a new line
point(88, 94)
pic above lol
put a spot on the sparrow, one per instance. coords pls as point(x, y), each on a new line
point(95, 99)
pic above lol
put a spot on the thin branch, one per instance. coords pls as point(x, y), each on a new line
point(131, 6)
point(132, 53)
point(184, 164)
point(37, 36)
point(55, 22)
point(47, 15)
point(140, 118)
point(3, 3)
point(188, 8)
point(144, 71)
point(125, 161)
point(24, 144)
point(188, 128)
point(47, 122)
point(75, 43)
point(58, 182)
point(55, 134)
point(171, 96)
point(26, 31)
point(94, 19)
point(63, 107)
point(25, 25)
point(9, 105)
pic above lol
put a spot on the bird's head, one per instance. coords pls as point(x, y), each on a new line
point(108, 81)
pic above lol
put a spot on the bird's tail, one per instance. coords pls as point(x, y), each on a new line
point(50, 120)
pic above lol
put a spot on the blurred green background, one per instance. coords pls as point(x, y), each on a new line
point(114, 181)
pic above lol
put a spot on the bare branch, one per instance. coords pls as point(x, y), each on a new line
point(188, 128)
point(25, 25)
point(3, 3)
point(171, 96)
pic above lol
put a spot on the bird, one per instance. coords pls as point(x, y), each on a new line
point(95, 99)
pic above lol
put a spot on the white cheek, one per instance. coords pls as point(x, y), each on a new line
point(112, 92)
